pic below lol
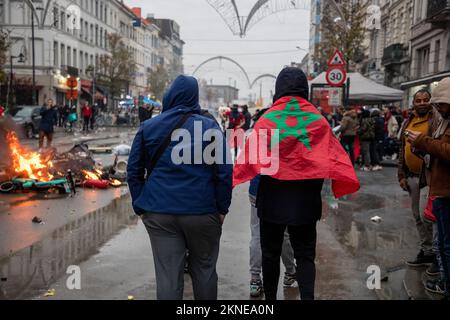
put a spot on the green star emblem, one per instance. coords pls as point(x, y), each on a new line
point(293, 122)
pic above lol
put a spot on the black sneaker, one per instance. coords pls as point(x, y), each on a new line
point(289, 280)
point(422, 260)
point(434, 269)
point(436, 286)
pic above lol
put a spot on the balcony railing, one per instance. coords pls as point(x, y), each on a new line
point(438, 10)
point(393, 54)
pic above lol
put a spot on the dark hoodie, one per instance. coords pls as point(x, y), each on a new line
point(295, 202)
point(179, 189)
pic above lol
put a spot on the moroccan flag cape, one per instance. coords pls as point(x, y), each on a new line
point(305, 144)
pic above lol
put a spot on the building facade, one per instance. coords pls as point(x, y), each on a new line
point(69, 38)
point(396, 23)
point(430, 46)
point(171, 46)
point(314, 55)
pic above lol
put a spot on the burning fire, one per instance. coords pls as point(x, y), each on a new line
point(27, 164)
point(96, 176)
point(91, 175)
point(115, 183)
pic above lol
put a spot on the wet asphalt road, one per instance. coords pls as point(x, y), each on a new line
point(113, 251)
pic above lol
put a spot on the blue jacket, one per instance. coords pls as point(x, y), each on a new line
point(49, 119)
point(183, 189)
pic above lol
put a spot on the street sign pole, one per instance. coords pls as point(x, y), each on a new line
point(337, 76)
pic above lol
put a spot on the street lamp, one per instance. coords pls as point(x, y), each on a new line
point(21, 58)
point(33, 55)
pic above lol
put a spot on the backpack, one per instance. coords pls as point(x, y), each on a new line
point(367, 129)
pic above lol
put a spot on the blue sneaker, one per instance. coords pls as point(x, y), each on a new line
point(256, 288)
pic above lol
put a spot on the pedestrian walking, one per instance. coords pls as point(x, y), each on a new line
point(290, 197)
point(49, 120)
point(95, 111)
point(411, 172)
point(86, 112)
point(247, 117)
point(348, 130)
point(437, 147)
point(287, 253)
point(376, 147)
point(366, 134)
point(145, 113)
point(182, 205)
point(61, 116)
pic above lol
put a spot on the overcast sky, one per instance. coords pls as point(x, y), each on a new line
point(206, 35)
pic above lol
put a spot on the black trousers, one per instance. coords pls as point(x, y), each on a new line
point(86, 123)
point(303, 240)
point(376, 152)
point(348, 142)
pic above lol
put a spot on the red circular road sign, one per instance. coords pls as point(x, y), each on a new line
point(336, 76)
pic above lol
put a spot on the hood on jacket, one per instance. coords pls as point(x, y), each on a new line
point(291, 82)
point(183, 92)
point(375, 112)
point(441, 94)
point(351, 113)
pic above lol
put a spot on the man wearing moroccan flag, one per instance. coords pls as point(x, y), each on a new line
point(300, 140)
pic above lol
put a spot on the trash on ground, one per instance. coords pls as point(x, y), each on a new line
point(36, 220)
point(376, 219)
point(122, 150)
point(50, 293)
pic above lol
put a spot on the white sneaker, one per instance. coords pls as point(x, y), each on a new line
point(394, 156)
point(377, 168)
point(366, 169)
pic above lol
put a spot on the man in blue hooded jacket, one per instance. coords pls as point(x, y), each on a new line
point(182, 205)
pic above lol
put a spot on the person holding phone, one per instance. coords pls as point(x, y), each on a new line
point(411, 173)
point(49, 120)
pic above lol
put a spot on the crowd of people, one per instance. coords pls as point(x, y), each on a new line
point(183, 206)
point(185, 216)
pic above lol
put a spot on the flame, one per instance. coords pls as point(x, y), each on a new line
point(27, 164)
point(89, 175)
point(115, 183)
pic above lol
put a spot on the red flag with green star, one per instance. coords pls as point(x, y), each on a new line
point(293, 141)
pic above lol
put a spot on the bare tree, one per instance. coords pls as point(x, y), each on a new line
point(4, 47)
point(343, 30)
point(116, 69)
point(158, 80)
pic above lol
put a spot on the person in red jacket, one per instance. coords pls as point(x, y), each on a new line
point(87, 113)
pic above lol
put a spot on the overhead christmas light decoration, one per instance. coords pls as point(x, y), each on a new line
point(239, 25)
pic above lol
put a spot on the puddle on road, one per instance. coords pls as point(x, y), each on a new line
point(30, 271)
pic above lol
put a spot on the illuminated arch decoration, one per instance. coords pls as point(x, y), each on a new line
point(239, 25)
point(227, 59)
point(266, 75)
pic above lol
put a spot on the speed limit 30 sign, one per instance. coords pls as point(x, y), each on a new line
point(336, 76)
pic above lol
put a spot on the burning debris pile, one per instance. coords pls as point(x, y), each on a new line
point(28, 164)
point(50, 171)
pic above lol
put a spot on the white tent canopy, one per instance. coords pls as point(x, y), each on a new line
point(365, 91)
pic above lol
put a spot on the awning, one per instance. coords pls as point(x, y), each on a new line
point(364, 90)
point(425, 80)
point(86, 91)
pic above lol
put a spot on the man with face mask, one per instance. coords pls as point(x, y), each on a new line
point(411, 174)
point(438, 147)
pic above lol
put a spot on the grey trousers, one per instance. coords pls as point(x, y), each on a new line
point(424, 227)
point(287, 254)
point(170, 237)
